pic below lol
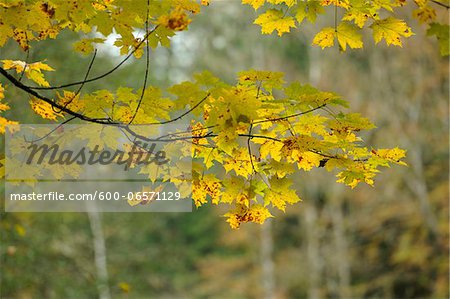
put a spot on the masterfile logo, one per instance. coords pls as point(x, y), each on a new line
point(74, 168)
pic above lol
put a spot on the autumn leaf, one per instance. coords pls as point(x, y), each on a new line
point(3, 107)
point(44, 109)
point(391, 30)
point(308, 10)
point(325, 38)
point(279, 194)
point(176, 20)
point(85, 46)
point(254, 3)
point(441, 32)
point(32, 71)
point(274, 19)
point(346, 33)
point(256, 213)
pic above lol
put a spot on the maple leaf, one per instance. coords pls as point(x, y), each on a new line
point(289, 3)
point(255, 3)
point(325, 38)
point(236, 191)
point(256, 213)
point(31, 70)
point(359, 12)
point(85, 46)
point(308, 160)
point(207, 185)
point(274, 19)
point(346, 33)
point(441, 31)
point(3, 107)
point(341, 3)
point(70, 100)
point(425, 14)
point(177, 20)
point(390, 29)
point(308, 10)
point(5, 122)
point(394, 155)
point(266, 79)
point(2, 92)
point(239, 162)
point(279, 194)
point(44, 109)
point(271, 148)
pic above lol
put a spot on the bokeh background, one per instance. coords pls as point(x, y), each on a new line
point(387, 241)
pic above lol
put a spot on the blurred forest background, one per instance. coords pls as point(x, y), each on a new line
point(387, 241)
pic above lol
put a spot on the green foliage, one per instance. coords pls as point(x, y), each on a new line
point(350, 18)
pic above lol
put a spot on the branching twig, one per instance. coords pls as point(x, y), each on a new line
point(28, 90)
point(82, 85)
point(102, 75)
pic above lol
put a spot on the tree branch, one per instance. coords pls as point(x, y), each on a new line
point(102, 75)
point(441, 4)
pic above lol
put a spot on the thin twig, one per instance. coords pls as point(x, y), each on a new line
point(102, 75)
point(147, 67)
point(441, 4)
point(288, 116)
point(55, 129)
point(26, 64)
point(249, 147)
point(82, 85)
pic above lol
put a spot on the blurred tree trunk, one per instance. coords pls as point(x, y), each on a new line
point(267, 264)
point(411, 118)
point(312, 250)
point(100, 254)
point(340, 240)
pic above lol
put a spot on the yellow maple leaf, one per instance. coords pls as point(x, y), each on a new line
point(5, 122)
point(325, 38)
point(207, 185)
point(425, 14)
point(391, 29)
point(177, 20)
point(256, 213)
point(32, 71)
point(70, 100)
point(3, 107)
point(255, 3)
point(274, 19)
point(289, 3)
point(85, 46)
point(346, 33)
point(280, 194)
point(391, 154)
point(341, 3)
point(239, 162)
point(44, 109)
point(2, 92)
point(308, 160)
